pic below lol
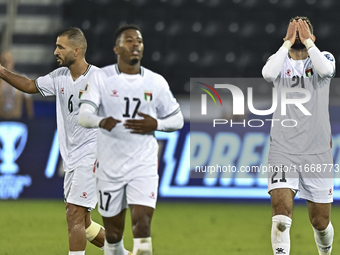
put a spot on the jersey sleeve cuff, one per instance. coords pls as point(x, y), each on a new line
point(88, 102)
point(309, 43)
point(40, 91)
point(287, 44)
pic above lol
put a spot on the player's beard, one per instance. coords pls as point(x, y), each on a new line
point(134, 61)
point(66, 62)
point(298, 45)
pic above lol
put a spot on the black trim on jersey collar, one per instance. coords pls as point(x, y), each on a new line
point(87, 70)
point(117, 69)
point(119, 72)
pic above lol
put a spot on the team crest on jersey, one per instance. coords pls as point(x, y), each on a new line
point(62, 90)
point(309, 72)
point(288, 72)
point(147, 95)
point(84, 90)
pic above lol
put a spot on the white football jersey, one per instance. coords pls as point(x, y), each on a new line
point(312, 134)
point(119, 152)
point(77, 144)
point(111, 70)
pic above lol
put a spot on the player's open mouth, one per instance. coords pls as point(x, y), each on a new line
point(135, 53)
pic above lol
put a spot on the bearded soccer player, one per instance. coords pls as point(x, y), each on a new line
point(294, 150)
point(77, 144)
point(128, 104)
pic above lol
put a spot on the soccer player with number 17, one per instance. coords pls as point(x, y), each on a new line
point(128, 106)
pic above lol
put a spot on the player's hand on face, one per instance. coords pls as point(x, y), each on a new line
point(304, 32)
point(291, 32)
point(141, 126)
point(108, 123)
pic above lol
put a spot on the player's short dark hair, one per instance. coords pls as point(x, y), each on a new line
point(76, 35)
point(122, 28)
point(304, 19)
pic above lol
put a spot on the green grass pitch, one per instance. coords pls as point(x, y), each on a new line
point(39, 227)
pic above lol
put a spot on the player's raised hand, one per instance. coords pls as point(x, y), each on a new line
point(304, 31)
point(141, 126)
point(108, 123)
point(291, 32)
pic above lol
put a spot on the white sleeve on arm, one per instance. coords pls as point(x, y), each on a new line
point(87, 117)
point(273, 67)
point(323, 62)
point(45, 84)
point(171, 123)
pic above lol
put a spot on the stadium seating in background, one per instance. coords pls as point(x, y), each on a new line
point(35, 29)
point(202, 38)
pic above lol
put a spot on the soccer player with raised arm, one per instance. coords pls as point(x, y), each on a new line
point(306, 145)
point(128, 107)
point(77, 144)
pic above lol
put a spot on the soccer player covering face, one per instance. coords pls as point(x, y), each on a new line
point(77, 144)
point(128, 107)
point(296, 151)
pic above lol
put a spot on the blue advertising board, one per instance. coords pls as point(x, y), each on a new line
point(30, 164)
point(29, 152)
point(186, 155)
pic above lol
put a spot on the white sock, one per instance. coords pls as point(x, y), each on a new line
point(126, 252)
point(142, 246)
point(114, 248)
point(324, 239)
point(76, 253)
point(280, 234)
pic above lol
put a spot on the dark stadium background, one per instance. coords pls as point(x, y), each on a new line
point(201, 38)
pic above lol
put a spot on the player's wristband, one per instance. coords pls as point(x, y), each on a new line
point(287, 44)
point(309, 43)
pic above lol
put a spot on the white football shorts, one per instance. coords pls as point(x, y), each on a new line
point(310, 174)
point(116, 195)
point(80, 187)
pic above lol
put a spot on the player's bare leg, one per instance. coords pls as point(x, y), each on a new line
point(81, 228)
point(94, 232)
point(114, 229)
point(319, 216)
point(282, 206)
point(141, 227)
point(75, 216)
point(282, 202)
